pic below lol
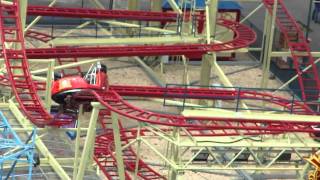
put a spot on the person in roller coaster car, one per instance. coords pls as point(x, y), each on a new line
point(316, 11)
point(101, 81)
point(102, 77)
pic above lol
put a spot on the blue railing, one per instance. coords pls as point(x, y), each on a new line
point(255, 103)
point(14, 151)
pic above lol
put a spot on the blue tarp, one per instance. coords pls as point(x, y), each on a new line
point(200, 4)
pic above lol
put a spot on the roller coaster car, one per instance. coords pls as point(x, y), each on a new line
point(95, 79)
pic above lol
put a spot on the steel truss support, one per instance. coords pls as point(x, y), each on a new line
point(25, 123)
point(229, 152)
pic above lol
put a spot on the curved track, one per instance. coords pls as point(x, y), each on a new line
point(13, 50)
point(18, 70)
point(206, 93)
point(24, 88)
point(101, 14)
point(105, 157)
point(308, 80)
point(244, 36)
point(113, 101)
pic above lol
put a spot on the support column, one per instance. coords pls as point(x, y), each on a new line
point(211, 16)
point(117, 142)
point(77, 144)
point(175, 155)
point(50, 72)
point(89, 142)
point(205, 70)
point(269, 27)
point(23, 12)
point(185, 77)
point(138, 151)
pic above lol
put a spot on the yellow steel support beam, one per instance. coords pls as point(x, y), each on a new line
point(211, 12)
point(72, 30)
point(44, 129)
point(130, 25)
point(206, 69)
point(39, 144)
point(77, 144)
point(38, 18)
point(89, 142)
point(117, 142)
point(47, 100)
point(268, 44)
point(124, 41)
point(37, 78)
point(175, 6)
point(252, 115)
point(23, 12)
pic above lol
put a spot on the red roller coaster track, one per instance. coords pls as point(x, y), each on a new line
point(101, 14)
point(105, 158)
point(244, 36)
point(13, 50)
point(308, 80)
point(24, 88)
point(113, 101)
point(240, 30)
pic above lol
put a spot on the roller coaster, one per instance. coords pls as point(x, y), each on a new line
point(113, 152)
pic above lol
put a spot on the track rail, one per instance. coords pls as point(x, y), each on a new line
point(308, 80)
point(113, 101)
point(71, 71)
point(244, 36)
point(41, 86)
point(206, 93)
point(13, 50)
point(104, 153)
point(43, 37)
point(101, 14)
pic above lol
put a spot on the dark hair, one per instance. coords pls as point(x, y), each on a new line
point(104, 68)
